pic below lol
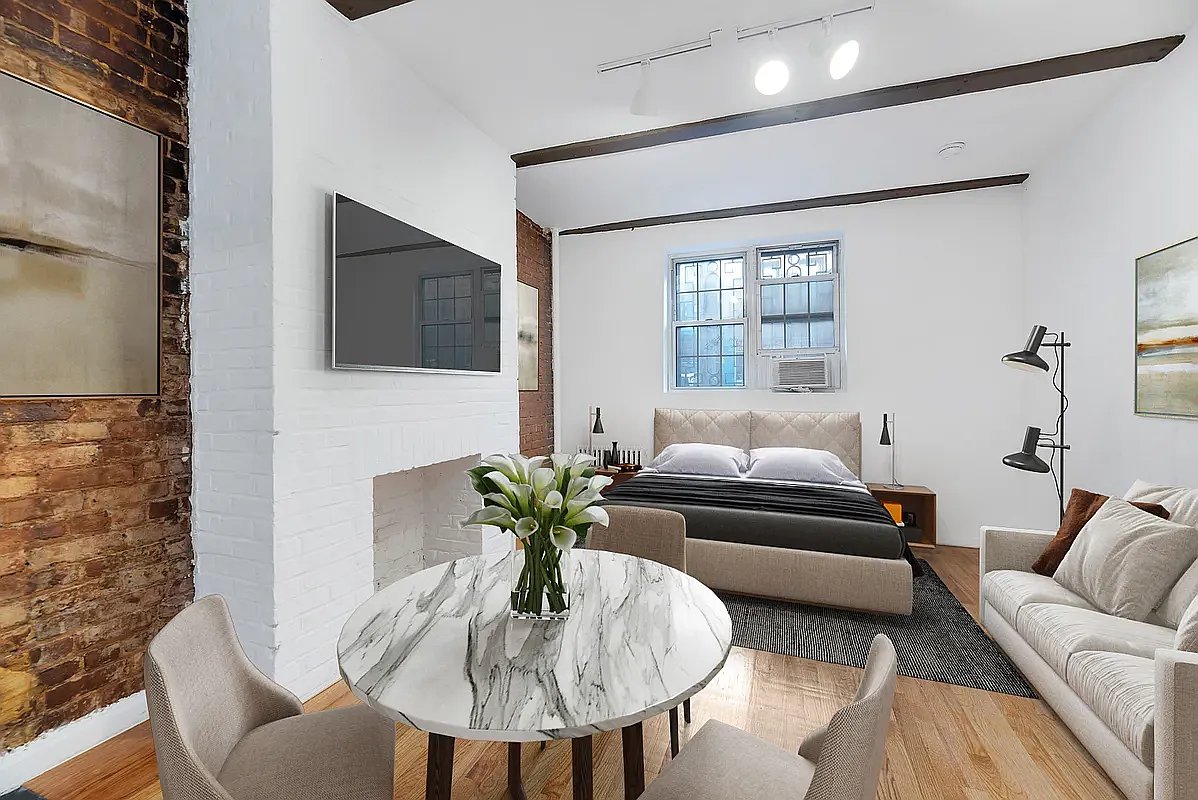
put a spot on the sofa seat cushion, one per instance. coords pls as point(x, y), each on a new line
point(1008, 590)
point(1121, 690)
point(1056, 632)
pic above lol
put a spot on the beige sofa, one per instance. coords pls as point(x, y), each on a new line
point(1118, 684)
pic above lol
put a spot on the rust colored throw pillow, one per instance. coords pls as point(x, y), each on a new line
point(1082, 506)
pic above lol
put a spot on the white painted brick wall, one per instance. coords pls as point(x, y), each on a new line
point(358, 121)
point(231, 315)
point(399, 518)
point(290, 103)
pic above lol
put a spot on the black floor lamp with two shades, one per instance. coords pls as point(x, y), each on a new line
point(1033, 438)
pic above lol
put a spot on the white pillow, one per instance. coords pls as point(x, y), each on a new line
point(1187, 632)
point(693, 458)
point(799, 464)
point(1125, 560)
point(1181, 503)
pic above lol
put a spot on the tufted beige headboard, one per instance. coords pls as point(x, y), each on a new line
point(838, 432)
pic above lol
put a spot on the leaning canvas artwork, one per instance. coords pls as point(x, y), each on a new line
point(79, 248)
point(1167, 332)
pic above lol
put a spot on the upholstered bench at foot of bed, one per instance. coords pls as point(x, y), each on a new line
point(803, 576)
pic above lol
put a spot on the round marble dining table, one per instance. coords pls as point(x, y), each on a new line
point(440, 652)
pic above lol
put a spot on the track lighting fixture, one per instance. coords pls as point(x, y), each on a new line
point(772, 75)
point(841, 55)
point(644, 101)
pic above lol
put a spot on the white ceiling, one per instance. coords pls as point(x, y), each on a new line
point(524, 72)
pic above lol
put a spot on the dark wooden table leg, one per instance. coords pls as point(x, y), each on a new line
point(686, 710)
point(634, 761)
point(439, 779)
point(583, 775)
point(515, 782)
point(673, 731)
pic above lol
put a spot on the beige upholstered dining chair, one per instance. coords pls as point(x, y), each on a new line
point(654, 534)
point(224, 731)
point(839, 761)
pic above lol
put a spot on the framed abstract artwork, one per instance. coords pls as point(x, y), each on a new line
point(1167, 332)
point(528, 337)
point(80, 231)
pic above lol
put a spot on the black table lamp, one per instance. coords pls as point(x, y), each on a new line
point(1026, 459)
point(596, 426)
point(888, 441)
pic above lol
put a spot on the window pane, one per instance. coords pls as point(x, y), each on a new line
point(490, 332)
point(462, 309)
point(732, 273)
point(770, 268)
point(821, 264)
point(732, 339)
point(687, 278)
point(823, 333)
point(709, 275)
point(709, 305)
point(734, 370)
point(445, 357)
point(430, 289)
point(733, 303)
point(773, 336)
point(796, 298)
point(462, 335)
point(709, 340)
point(771, 300)
point(686, 341)
point(444, 287)
point(468, 359)
point(796, 334)
point(688, 372)
point(461, 286)
point(821, 297)
point(796, 265)
point(491, 281)
point(709, 371)
point(445, 308)
point(687, 307)
point(430, 310)
point(445, 336)
point(491, 305)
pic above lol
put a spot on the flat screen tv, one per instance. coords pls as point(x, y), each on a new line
point(405, 300)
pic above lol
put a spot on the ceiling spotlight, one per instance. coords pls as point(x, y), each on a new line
point(643, 104)
point(844, 59)
point(773, 75)
point(841, 57)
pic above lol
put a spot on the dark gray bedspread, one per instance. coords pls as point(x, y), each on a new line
point(826, 519)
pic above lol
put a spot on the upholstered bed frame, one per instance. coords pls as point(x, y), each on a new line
point(873, 584)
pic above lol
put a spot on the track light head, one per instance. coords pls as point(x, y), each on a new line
point(644, 101)
point(773, 74)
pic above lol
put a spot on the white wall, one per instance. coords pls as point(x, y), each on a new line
point(231, 313)
point(350, 116)
point(1124, 186)
point(931, 302)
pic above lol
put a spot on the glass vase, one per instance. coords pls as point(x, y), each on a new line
point(540, 580)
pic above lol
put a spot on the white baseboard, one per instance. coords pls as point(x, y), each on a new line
point(62, 744)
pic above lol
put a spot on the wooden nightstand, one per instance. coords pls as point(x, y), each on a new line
point(917, 500)
point(617, 477)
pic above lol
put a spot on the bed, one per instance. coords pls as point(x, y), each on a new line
point(823, 544)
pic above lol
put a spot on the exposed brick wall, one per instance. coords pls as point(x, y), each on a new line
point(534, 266)
point(95, 552)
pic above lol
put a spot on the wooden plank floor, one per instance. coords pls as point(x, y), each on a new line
point(946, 743)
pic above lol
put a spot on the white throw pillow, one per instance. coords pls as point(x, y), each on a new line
point(1187, 632)
point(693, 458)
point(1182, 505)
point(799, 464)
point(1125, 560)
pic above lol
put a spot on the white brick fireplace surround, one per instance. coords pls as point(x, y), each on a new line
point(288, 453)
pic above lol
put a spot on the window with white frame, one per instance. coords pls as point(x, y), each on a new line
point(773, 301)
point(798, 300)
point(709, 321)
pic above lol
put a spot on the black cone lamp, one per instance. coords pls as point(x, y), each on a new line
point(887, 440)
point(1026, 459)
point(596, 426)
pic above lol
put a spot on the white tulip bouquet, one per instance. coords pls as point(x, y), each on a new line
point(549, 504)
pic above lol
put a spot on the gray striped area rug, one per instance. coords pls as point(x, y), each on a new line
point(939, 641)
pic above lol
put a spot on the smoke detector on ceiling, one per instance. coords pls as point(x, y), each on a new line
point(952, 150)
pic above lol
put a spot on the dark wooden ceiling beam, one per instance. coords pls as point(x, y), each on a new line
point(856, 198)
point(936, 89)
point(356, 9)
